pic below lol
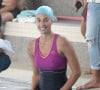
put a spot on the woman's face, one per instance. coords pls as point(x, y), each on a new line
point(43, 22)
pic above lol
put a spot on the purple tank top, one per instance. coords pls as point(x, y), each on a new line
point(54, 61)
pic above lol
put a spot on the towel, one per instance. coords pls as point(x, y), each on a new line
point(6, 45)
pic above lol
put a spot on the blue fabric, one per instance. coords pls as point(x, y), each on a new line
point(93, 34)
point(94, 52)
point(93, 21)
point(45, 10)
point(4, 61)
point(26, 13)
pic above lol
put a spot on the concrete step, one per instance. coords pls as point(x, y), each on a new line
point(21, 29)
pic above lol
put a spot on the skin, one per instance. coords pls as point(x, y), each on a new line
point(0, 50)
point(64, 48)
point(20, 4)
point(5, 14)
point(83, 27)
point(83, 22)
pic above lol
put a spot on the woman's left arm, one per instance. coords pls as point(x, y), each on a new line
point(68, 51)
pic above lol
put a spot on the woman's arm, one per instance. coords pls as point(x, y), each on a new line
point(35, 77)
point(68, 51)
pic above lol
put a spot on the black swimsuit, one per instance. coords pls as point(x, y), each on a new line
point(52, 80)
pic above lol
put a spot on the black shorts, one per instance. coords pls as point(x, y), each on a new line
point(15, 12)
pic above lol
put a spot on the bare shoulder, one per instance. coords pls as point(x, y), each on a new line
point(31, 46)
point(64, 45)
point(63, 41)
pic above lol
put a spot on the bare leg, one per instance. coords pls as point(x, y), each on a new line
point(0, 34)
point(93, 83)
point(87, 71)
point(1, 51)
point(7, 16)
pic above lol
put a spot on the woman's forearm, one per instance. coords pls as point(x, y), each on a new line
point(35, 82)
point(71, 80)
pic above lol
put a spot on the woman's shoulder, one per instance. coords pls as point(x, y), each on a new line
point(62, 39)
point(31, 44)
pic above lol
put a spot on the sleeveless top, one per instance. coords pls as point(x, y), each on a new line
point(54, 61)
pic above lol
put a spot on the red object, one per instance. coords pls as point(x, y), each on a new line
point(69, 18)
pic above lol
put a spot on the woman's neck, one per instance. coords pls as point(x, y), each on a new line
point(46, 36)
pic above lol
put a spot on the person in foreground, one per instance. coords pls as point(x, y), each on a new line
point(50, 54)
point(92, 35)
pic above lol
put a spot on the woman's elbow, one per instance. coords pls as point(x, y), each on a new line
point(78, 73)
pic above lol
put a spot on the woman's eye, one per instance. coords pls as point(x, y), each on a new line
point(46, 20)
point(38, 20)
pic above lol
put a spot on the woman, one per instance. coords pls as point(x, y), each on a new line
point(50, 53)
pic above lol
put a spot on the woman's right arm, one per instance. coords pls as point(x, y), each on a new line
point(35, 77)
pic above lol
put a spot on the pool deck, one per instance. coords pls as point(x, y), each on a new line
point(17, 79)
